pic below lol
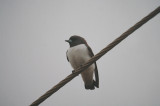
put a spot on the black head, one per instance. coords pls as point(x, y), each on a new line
point(76, 40)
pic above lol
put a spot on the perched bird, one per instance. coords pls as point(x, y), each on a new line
point(78, 54)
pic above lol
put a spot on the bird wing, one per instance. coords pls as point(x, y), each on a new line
point(96, 69)
point(67, 56)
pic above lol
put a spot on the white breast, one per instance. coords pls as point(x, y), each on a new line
point(78, 55)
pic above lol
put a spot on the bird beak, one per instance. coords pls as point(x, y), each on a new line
point(69, 41)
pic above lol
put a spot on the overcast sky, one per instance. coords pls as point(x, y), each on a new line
point(33, 52)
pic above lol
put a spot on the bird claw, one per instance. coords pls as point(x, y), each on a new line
point(73, 72)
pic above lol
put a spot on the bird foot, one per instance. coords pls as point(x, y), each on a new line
point(73, 72)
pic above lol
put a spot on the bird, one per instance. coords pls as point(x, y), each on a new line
point(78, 54)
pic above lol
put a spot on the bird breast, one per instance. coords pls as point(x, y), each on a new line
point(78, 55)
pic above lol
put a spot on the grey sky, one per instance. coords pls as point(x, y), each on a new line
point(33, 52)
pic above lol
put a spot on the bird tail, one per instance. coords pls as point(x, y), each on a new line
point(92, 86)
point(96, 84)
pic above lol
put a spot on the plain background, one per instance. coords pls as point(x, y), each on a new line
point(33, 52)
